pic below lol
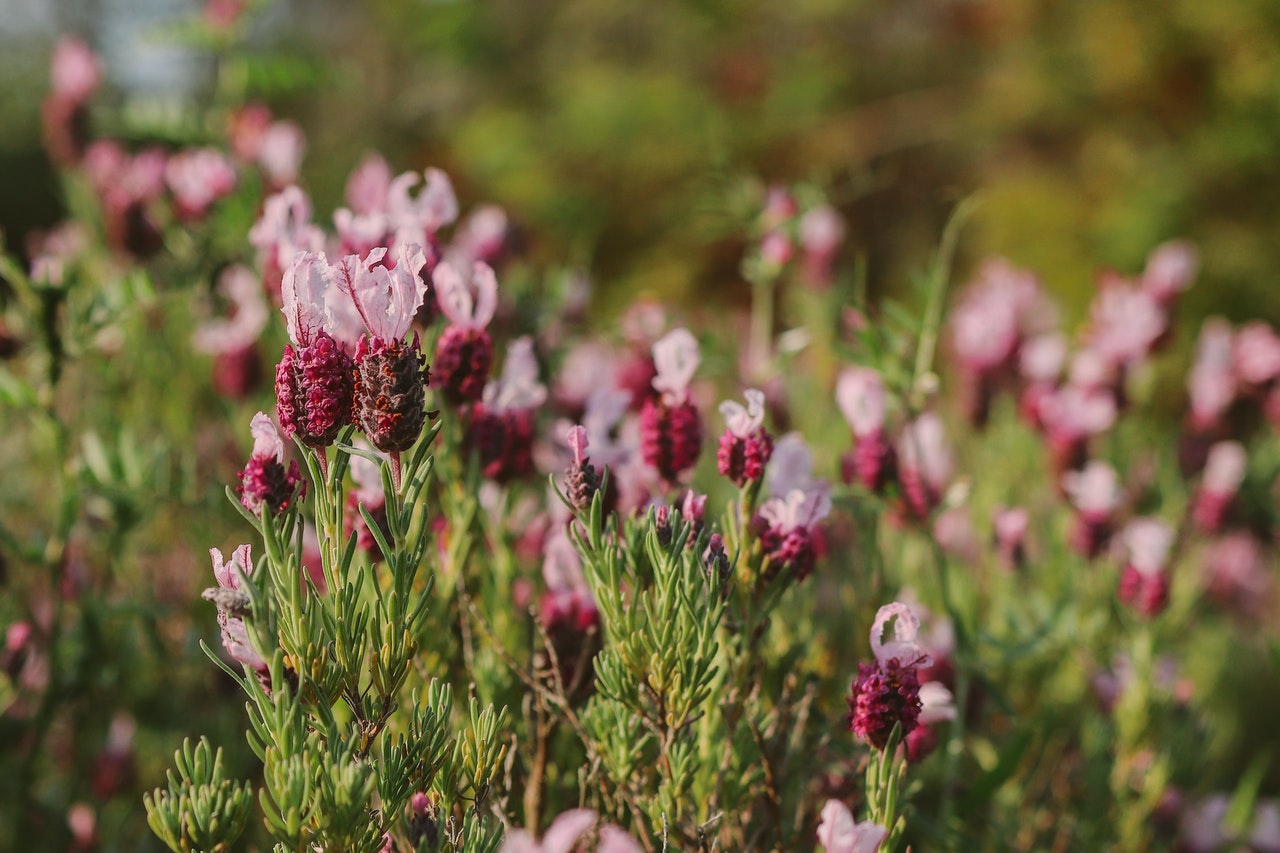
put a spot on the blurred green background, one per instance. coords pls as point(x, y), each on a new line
point(618, 134)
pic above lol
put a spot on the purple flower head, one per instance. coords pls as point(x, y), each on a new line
point(821, 230)
point(670, 424)
point(581, 481)
point(265, 482)
point(839, 833)
point(1144, 581)
point(676, 357)
point(924, 463)
point(745, 447)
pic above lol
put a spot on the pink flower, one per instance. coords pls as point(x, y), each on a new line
point(676, 357)
point(518, 386)
point(468, 305)
point(1256, 352)
point(1095, 490)
point(368, 187)
point(285, 228)
point(1010, 525)
point(1144, 581)
point(1211, 383)
point(860, 396)
point(481, 236)
point(565, 833)
point(265, 482)
point(1237, 573)
point(282, 146)
point(904, 646)
point(821, 230)
point(1171, 267)
point(247, 319)
point(197, 178)
point(416, 219)
point(1125, 322)
point(386, 298)
point(75, 70)
point(745, 447)
point(838, 833)
point(501, 426)
point(235, 636)
point(924, 463)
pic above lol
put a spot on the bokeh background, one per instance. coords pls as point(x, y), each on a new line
point(619, 135)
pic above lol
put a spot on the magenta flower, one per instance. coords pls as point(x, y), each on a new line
point(482, 236)
point(571, 832)
point(1171, 268)
point(924, 464)
point(1095, 493)
point(821, 230)
point(231, 607)
point(670, 425)
point(75, 71)
point(501, 426)
point(838, 833)
point(281, 148)
point(1010, 524)
point(264, 482)
point(745, 447)
point(1224, 471)
point(1144, 581)
point(1126, 322)
point(464, 352)
point(417, 219)
point(197, 178)
point(369, 185)
point(789, 518)
point(1071, 416)
point(1211, 384)
point(581, 481)
point(1256, 353)
point(887, 694)
point(860, 396)
point(315, 388)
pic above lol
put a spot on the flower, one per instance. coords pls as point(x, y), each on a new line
point(745, 447)
point(569, 833)
point(1144, 581)
point(1171, 267)
point(232, 604)
point(501, 426)
point(1095, 493)
point(197, 178)
point(860, 396)
point(264, 482)
point(837, 833)
point(670, 425)
point(924, 463)
point(887, 694)
point(1224, 471)
point(581, 480)
point(281, 148)
point(1211, 383)
point(464, 352)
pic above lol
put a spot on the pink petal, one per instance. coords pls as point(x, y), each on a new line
point(676, 357)
point(266, 438)
point(903, 646)
point(303, 291)
point(567, 829)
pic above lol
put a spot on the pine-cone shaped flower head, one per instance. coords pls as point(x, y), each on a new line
point(315, 391)
point(887, 693)
point(501, 428)
point(265, 482)
point(464, 351)
point(787, 534)
point(581, 481)
point(391, 380)
point(1144, 581)
point(315, 382)
point(670, 425)
point(745, 448)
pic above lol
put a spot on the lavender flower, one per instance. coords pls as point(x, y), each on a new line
point(838, 833)
point(464, 352)
point(670, 426)
point(1144, 580)
point(264, 482)
point(745, 447)
point(887, 694)
point(501, 427)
